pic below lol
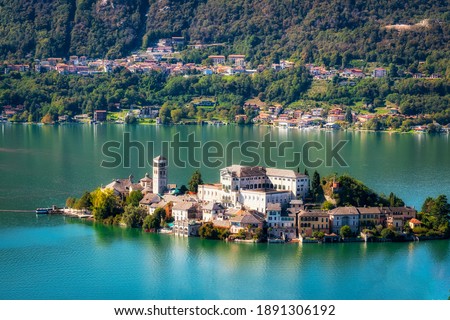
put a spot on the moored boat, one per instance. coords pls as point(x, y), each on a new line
point(42, 210)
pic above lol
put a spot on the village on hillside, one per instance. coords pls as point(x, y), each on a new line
point(163, 57)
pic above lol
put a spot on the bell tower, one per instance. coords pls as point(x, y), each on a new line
point(159, 175)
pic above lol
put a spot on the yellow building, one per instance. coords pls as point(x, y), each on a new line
point(310, 221)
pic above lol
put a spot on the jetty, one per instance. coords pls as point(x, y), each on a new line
point(82, 213)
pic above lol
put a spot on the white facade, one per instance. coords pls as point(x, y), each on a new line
point(344, 216)
point(237, 177)
point(159, 175)
point(258, 199)
point(213, 211)
point(255, 187)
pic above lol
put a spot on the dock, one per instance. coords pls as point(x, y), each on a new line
point(82, 214)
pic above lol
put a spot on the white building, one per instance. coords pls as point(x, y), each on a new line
point(184, 210)
point(255, 187)
point(379, 73)
point(216, 60)
point(237, 59)
point(213, 211)
point(281, 225)
point(259, 199)
point(344, 216)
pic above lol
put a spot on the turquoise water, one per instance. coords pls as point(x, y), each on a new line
point(57, 258)
point(61, 258)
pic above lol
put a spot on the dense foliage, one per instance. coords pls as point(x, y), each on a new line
point(406, 37)
point(330, 32)
point(435, 217)
point(54, 94)
point(195, 181)
point(351, 192)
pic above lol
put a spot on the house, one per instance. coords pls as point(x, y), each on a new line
point(344, 216)
point(166, 205)
point(296, 205)
point(238, 117)
point(237, 59)
point(100, 115)
point(246, 220)
point(62, 68)
point(311, 220)
point(395, 222)
point(414, 223)
point(178, 41)
point(73, 60)
point(216, 60)
point(184, 210)
point(285, 64)
point(273, 214)
point(317, 112)
point(63, 118)
point(371, 216)
point(281, 224)
point(186, 228)
point(356, 73)
point(379, 73)
point(149, 199)
point(213, 211)
point(150, 112)
point(405, 213)
point(335, 114)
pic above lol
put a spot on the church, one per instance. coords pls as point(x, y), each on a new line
point(156, 185)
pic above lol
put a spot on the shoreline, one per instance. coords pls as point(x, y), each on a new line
point(40, 124)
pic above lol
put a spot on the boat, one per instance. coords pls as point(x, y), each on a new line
point(42, 210)
point(275, 240)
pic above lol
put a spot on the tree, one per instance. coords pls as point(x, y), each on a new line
point(327, 205)
point(387, 233)
point(259, 234)
point(242, 234)
point(70, 202)
point(134, 197)
point(130, 119)
point(151, 222)
point(439, 207)
point(164, 114)
point(195, 180)
point(345, 232)
point(85, 202)
point(318, 235)
point(183, 189)
point(47, 118)
point(316, 187)
point(207, 231)
point(348, 115)
point(160, 213)
point(134, 216)
point(176, 115)
point(395, 201)
point(104, 204)
point(393, 72)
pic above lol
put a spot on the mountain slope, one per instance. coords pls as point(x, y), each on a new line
point(332, 32)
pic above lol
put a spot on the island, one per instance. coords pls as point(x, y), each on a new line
point(259, 204)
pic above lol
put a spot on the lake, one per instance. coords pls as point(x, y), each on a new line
point(62, 258)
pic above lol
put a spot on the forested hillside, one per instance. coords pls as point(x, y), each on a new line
point(329, 32)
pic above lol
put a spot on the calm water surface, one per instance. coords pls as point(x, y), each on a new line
point(58, 258)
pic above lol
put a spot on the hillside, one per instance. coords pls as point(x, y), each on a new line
point(332, 33)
